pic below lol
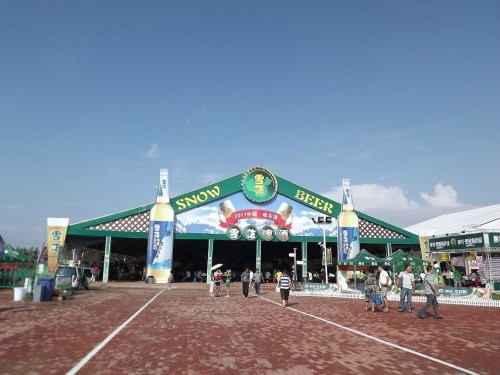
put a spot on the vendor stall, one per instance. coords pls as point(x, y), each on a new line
point(399, 260)
point(485, 244)
point(360, 262)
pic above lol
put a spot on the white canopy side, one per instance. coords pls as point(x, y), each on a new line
point(477, 219)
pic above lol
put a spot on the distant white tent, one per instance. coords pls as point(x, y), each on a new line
point(477, 219)
point(485, 219)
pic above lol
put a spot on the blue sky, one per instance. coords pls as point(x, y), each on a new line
point(401, 97)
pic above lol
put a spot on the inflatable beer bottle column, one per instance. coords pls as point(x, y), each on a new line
point(348, 223)
point(161, 233)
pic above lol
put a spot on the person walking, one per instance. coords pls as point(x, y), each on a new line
point(370, 289)
point(95, 272)
point(170, 281)
point(284, 285)
point(457, 278)
point(245, 279)
point(431, 293)
point(251, 278)
point(278, 276)
point(258, 278)
point(217, 281)
point(383, 283)
point(406, 281)
point(474, 279)
point(228, 275)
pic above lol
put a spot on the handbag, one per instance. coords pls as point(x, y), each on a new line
point(377, 299)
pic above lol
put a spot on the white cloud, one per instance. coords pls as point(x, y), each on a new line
point(12, 207)
point(392, 205)
point(153, 152)
point(369, 197)
point(444, 196)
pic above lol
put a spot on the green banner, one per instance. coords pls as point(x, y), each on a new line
point(308, 198)
point(452, 243)
point(494, 239)
point(206, 194)
point(449, 292)
point(315, 287)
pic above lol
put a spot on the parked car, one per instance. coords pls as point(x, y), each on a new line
point(73, 278)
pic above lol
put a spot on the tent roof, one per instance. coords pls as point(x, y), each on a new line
point(364, 258)
point(484, 218)
point(11, 255)
point(132, 226)
point(400, 256)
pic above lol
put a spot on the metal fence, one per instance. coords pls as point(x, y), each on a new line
point(14, 275)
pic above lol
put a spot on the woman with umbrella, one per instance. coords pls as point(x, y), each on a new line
point(212, 279)
point(217, 281)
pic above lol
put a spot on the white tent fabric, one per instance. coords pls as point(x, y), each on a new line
point(484, 218)
point(484, 270)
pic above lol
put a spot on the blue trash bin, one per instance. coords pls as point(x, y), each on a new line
point(48, 283)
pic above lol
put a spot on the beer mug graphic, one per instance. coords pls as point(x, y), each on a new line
point(285, 211)
point(226, 210)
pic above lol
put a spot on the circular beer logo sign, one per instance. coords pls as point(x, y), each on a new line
point(259, 185)
point(233, 233)
point(283, 234)
point(250, 233)
point(267, 233)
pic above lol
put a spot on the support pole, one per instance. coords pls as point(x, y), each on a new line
point(107, 255)
point(209, 259)
point(304, 261)
point(258, 255)
point(324, 252)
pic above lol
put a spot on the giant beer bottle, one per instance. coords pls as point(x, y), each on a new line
point(348, 225)
point(161, 233)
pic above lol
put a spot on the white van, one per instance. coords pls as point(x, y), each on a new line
point(73, 277)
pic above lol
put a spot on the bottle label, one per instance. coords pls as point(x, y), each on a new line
point(346, 192)
point(160, 245)
point(348, 240)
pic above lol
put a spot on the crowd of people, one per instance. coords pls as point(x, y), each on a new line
point(377, 286)
point(377, 283)
point(248, 279)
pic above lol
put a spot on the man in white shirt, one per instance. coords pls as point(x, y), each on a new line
point(406, 281)
point(383, 283)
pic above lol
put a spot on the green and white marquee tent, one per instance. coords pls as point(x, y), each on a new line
point(206, 217)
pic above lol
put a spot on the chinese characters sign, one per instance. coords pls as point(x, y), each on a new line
point(494, 239)
point(451, 243)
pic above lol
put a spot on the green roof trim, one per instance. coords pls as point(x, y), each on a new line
point(133, 223)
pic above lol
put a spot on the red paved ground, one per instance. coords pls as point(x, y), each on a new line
point(183, 331)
